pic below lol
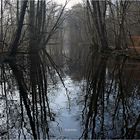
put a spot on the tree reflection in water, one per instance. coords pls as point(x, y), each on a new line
point(111, 108)
point(24, 93)
point(110, 103)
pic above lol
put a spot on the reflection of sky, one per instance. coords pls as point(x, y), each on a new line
point(70, 127)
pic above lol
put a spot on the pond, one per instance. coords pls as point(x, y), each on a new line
point(97, 100)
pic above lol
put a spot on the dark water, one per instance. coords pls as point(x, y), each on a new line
point(100, 99)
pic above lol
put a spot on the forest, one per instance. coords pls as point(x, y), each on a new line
point(69, 72)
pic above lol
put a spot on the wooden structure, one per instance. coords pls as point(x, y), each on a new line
point(134, 44)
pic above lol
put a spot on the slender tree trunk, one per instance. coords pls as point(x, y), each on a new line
point(17, 11)
point(14, 45)
point(1, 35)
point(98, 13)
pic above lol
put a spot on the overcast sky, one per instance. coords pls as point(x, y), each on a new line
point(70, 4)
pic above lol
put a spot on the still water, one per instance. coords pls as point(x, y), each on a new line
point(67, 111)
point(98, 100)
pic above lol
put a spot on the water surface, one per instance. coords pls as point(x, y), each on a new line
point(98, 100)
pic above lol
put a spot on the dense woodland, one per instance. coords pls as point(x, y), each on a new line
point(97, 42)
